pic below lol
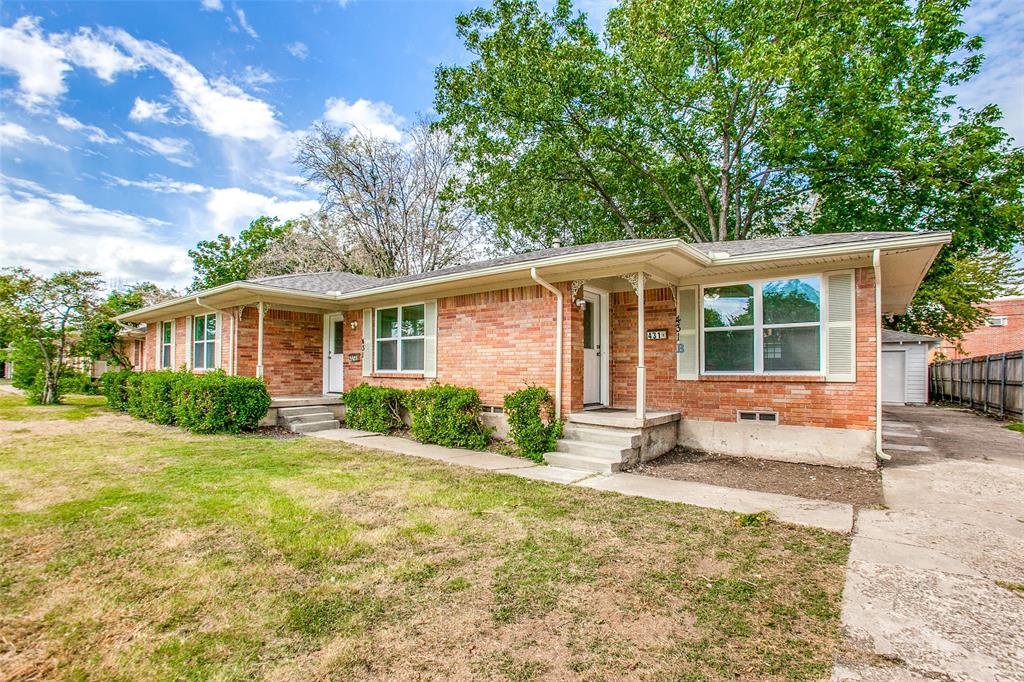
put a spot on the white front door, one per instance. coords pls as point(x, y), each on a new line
point(894, 375)
point(335, 353)
point(592, 361)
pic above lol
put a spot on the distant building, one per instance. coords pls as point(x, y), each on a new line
point(1002, 331)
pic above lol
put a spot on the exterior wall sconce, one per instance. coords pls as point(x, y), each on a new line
point(354, 324)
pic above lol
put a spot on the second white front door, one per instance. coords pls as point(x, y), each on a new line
point(593, 363)
point(335, 353)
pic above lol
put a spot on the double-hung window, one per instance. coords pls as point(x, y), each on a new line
point(764, 327)
point(204, 341)
point(165, 344)
point(400, 336)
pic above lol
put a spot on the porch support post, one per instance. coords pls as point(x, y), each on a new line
point(641, 372)
point(259, 341)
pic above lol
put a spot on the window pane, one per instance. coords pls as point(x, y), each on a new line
point(412, 320)
point(211, 355)
point(167, 356)
point(211, 326)
point(792, 300)
point(588, 324)
point(793, 349)
point(198, 360)
point(387, 355)
point(729, 351)
point(387, 323)
point(200, 328)
point(339, 330)
point(412, 354)
point(167, 332)
point(731, 306)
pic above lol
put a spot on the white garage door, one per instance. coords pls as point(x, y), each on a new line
point(894, 376)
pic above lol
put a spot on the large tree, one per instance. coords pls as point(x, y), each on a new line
point(389, 208)
point(729, 119)
point(49, 314)
point(99, 338)
point(226, 259)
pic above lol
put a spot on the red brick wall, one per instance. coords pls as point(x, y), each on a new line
point(292, 350)
point(496, 341)
point(801, 401)
point(989, 340)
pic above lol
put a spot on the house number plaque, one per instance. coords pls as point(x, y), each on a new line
point(657, 334)
point(354, 357)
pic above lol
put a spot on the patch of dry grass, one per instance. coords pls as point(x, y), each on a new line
point(132, 551)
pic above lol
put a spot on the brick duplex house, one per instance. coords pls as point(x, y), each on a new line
point(1002, 331)
point(764, 348)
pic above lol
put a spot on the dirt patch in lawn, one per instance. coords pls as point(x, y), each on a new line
point(858, 487)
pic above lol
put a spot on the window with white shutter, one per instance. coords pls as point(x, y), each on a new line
point(687, 358)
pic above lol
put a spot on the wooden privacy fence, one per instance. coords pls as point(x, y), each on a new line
point(990, 383)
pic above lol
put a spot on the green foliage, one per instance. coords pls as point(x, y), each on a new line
point(76, 382)
point(214, 402)
point(28, 363)
point(531, 420)
point(447, 415)
point(373, 408)
point(224, 259)
point(205, 403)
point(114, 385)
point(99, 338)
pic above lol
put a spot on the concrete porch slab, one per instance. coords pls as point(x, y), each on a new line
point(623, 419)
point(831, 516)
point(304, 400)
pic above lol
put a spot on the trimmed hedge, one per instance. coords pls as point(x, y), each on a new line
point(447, 415)
point(531, 421)
point(373, 408)
point(204, 403)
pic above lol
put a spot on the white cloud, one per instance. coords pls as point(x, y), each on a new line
point(213, 5)
point(49, 231)
point(38, 64)
point(145, 110)
point(85, 49)
point(297, 49)
point(233, 208)
point(218, 107)
point(255, 77)
point(174, 149)
point(375, 118)
point(12, 134)
point(93, 133)
point(244, 23)
point(160, 184)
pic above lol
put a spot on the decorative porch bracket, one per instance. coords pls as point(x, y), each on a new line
point(637, 280)
point(577, 284)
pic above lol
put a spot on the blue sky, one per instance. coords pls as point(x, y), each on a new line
point(131, 130)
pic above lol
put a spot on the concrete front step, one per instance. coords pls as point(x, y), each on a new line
point(623, 438)
point(612, 453)
point(598, 464)
point(306, 418)
point(294, 411)
point(309, 427)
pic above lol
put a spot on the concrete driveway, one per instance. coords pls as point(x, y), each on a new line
point(922, 599)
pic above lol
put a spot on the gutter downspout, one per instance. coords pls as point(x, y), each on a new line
point(259, 342)
point(232, 367)
point(876, 264)
point(558, 339)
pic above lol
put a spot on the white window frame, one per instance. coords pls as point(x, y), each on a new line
point(167, 346)
point(758, 327)
point(398, 339)
point(997, 321)
point(215, 341)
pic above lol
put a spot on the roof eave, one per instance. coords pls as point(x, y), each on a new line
point(148, 312)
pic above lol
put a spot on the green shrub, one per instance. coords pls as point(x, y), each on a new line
point(373, 408)
point(531, 420)
point(34, 390)
point(76, 382)
point(114, 387)
point(447, 415)
point(214, 402)
point(28, 363)
point(159, 393)
point(134, 404)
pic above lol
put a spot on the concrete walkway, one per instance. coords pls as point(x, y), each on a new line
point(830, 516)
point(921, 599)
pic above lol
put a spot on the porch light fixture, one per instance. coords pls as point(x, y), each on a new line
point(354, 324)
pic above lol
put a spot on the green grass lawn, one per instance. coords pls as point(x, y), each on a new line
point(132, 551)
point(1018, 427)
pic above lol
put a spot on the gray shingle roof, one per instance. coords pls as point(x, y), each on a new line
point(893, 336)
point(320, 282)
point(344, 282)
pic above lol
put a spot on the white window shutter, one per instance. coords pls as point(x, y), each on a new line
point(430, 339)
point(189, 341)
point(840, 327)
point(687, 364)
point(159, 345)
point(367, 342)
point(216, 343)
point(174, 342)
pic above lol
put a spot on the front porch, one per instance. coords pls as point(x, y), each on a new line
point(305, 413)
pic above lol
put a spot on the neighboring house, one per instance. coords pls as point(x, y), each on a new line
point(1002, 331)
point(905, 367)
point(765, 348)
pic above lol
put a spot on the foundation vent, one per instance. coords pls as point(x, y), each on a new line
point(760, 416)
